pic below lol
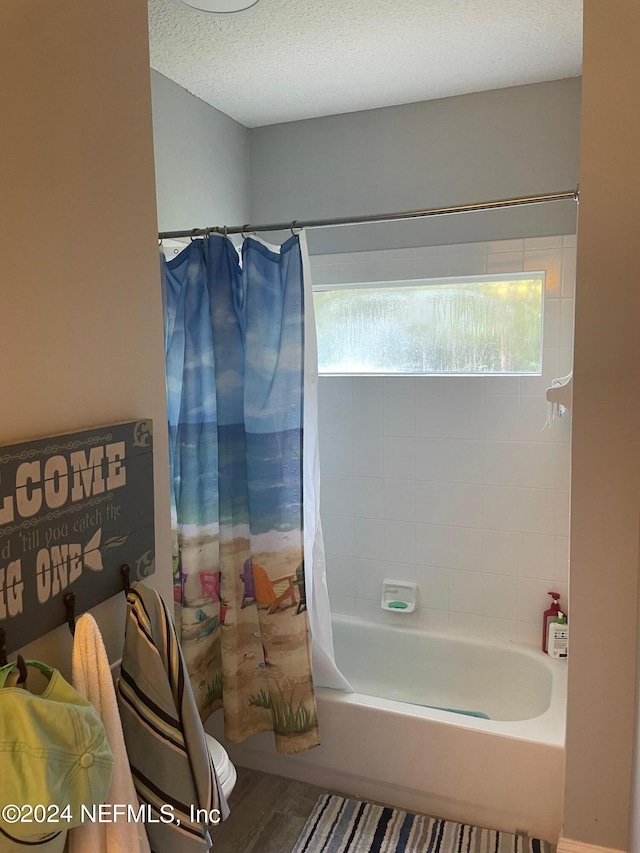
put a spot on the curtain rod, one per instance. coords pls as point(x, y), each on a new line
point(380, 217)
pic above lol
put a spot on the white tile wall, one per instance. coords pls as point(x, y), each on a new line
point(451, 482)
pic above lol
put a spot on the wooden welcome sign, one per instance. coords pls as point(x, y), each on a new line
point(73, 510)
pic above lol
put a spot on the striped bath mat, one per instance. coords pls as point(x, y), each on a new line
point(338, 825)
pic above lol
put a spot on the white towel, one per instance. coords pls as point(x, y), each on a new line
point(92, 678)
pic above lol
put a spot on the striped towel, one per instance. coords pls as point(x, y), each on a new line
point(170, 762)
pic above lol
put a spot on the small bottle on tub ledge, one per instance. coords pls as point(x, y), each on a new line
point(549, 615)
point(558, 637)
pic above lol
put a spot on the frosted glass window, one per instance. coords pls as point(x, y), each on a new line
point(479, 325)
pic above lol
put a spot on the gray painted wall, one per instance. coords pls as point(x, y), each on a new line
point(488, 145)
point(202, 160)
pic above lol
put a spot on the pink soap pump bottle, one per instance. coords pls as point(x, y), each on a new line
point(550, 615)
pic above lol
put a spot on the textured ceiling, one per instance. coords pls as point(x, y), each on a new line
point(293, 59)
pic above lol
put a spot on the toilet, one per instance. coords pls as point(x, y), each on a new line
point(225, 771)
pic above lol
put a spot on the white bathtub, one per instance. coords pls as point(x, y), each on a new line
point(383, 742)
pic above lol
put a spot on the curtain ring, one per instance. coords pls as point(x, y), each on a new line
point(243, 229)
point(226, 231)
point(292, 226)
point(194, 234)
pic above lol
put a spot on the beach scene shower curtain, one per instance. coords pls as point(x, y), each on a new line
point(234, 347)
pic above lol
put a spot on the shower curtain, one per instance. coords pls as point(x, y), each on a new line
point(243, 590)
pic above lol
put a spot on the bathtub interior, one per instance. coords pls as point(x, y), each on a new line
point(441, 671)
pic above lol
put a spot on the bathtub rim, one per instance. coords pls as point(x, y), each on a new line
point(548, 727)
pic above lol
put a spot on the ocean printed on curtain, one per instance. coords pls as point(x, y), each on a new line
point(234, 344)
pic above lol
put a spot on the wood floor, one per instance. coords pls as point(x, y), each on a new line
point(267, 814)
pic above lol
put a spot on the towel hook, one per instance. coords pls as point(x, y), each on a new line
point(22, 667)
point(126, 578)
point(70, 604)
point(3, 647)
point(22, 670)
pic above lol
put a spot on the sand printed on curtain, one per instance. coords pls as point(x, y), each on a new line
point(234, 343)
